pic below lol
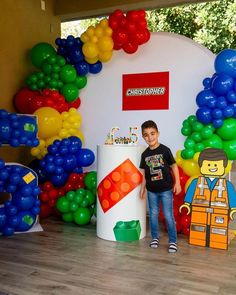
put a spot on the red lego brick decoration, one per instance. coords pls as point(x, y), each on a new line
point(118, 184)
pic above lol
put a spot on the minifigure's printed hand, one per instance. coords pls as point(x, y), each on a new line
point(232, 211)
point(185, 205)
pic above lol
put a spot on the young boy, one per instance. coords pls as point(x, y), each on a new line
point(156, 164)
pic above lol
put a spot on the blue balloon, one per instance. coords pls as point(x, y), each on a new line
point(95, 68)
point(82, 68)
point(5, 130)
point(69, 163)
point(76, 54)
point(211, 103)
point(35, 165)
point(85, 157)
point(231, 96)
point(228, 112)
point(206, 83)
point(204, 96)
point(222, 84)
point(8, 231)
point(217, 123)
point(59, 180)
point(217, 114)
point(3, 217)
point(221, 102)
point(203, 115)
point(225, 62)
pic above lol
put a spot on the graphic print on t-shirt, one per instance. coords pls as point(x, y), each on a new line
point(155, 162)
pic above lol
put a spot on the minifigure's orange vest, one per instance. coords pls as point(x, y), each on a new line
point(209, 220)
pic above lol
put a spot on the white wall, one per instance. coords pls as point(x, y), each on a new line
point(101, 101)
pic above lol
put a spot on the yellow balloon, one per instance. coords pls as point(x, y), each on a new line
point(98, 31)
point(105, 44)
point(90, 49)
point(90, 31)
point(79, 134)
point(103, 23)
point(84, 37)
point(179, 159)
point(196, 156)
point(108, 31)
point(35, 151)
point(91, 60)
point(228, 167)
point(93, 39)
point(49, 122)
point(63, 133)
point(105, 56)
point(72, 111)
point(64, 115)
point(190, 167)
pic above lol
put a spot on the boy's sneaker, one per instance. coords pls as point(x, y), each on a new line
point(172, 248)
point(154, 243)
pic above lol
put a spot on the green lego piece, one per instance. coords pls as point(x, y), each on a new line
point(127, 231)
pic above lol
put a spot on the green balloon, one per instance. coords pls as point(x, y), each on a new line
point(230, 148)
point(187, 153)
point(206, 132)
point(40, 52)
point(60, 61)
point(70, 195)
point(214, 142)
point(53, 84)
point(192, 119)
point(52, 59)
point(197, 126)
point(70, 92)
point(90, 197)
point(90, 180)
point(80, 81)
point(73, 206)
point(84, 203)
point(67, 217)
point(199, 147)
point(186, 124)
point(63, 205)
point(78, 199)
point(189, 143)
point(68, 74)
point(186, 131)
point(56, 68)
point(46, 68)
point(196, 136)
point(228, 130)
point(82, 216)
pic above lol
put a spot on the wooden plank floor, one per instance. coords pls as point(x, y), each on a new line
point(66, 259)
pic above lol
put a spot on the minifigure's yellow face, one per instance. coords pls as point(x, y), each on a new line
point(213, 168)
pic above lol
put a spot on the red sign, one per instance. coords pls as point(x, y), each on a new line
point(146, 91)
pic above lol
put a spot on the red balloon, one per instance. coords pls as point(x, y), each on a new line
point(118, 14)
point(45, 211)
point(23, 98)
point(147, 35)
point(113, 22)
point(130, 47)
point(120, 36)
point(133, 15)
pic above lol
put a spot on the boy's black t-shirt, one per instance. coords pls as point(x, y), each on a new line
point(156, 164)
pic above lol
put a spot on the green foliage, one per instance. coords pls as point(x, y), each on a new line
point(212, 24)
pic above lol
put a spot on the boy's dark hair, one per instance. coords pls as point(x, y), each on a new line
point(212, 154)
point(149, 124)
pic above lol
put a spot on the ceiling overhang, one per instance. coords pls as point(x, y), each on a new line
point(77, 9)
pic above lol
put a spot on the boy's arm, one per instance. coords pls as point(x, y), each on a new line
point(143, 185)
point(177, 186)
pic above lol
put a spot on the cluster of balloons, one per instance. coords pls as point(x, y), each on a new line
point(64, 157)
point(28, 101)
point(50, 193)
point(218, 99)
point(71, 49)
point(55, 126)
point(55, 73)
point(199, 136)
point(77, 206)
point(20, 212)
point(97, 43)
point(129, 31)
point(17, 130)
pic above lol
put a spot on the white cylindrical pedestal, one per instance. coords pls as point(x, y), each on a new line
point(118, 204)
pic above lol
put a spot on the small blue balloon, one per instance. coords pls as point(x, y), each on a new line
point(216, 114)
point(221, 102)
point(82, 68)
point(85, 157)
point(231, 96)
point(59, 180)
point(228, 112)
point(204, 96)
point(95, 68)
point(222, 84)
point(217, 123)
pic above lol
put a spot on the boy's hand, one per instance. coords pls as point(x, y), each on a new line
point(177, 188)
point(142, 194)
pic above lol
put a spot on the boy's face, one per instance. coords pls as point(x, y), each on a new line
point(213, 168)
point(150, 135)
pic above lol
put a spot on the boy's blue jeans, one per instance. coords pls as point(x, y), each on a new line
point(166, 199)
